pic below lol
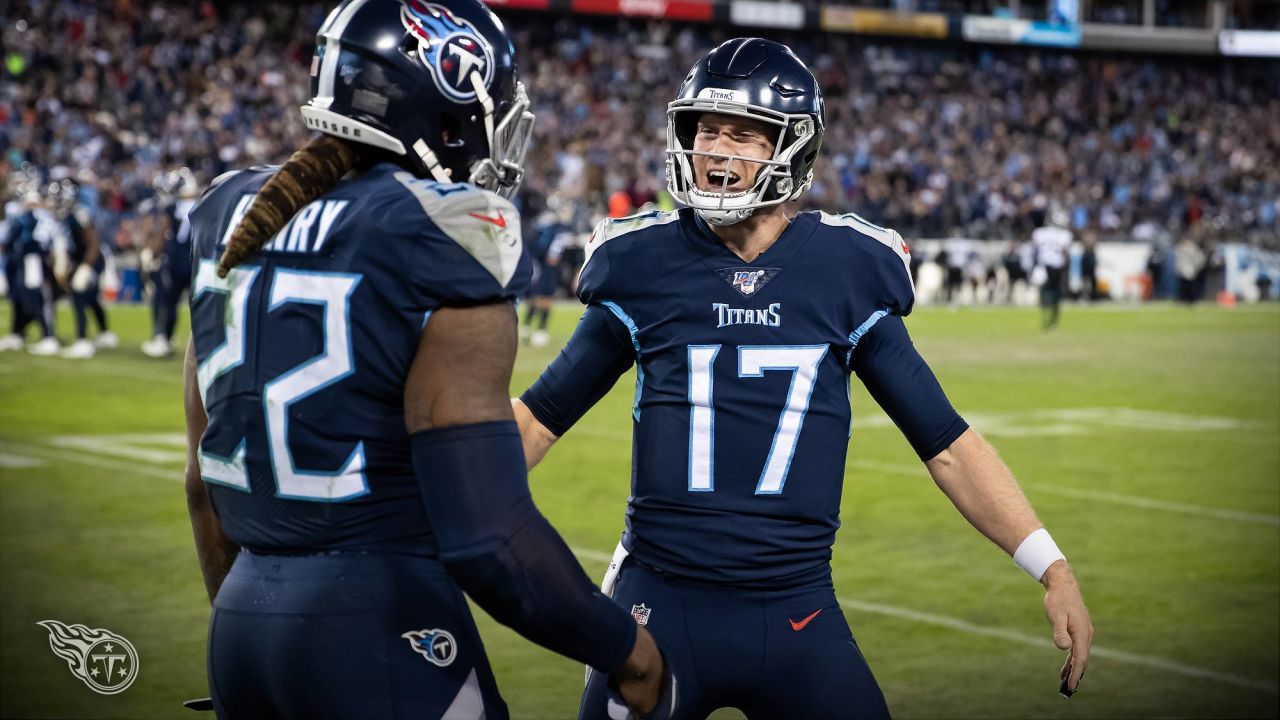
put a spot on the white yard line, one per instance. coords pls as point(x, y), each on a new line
point(19, 461)
point(893, 611)
point(117, 446)
point(120, 466)
point(1154, 504)
point(1136, 501)
point(175, 439)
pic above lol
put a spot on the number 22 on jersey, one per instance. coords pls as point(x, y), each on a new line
point(332, 292)
point(753, 362)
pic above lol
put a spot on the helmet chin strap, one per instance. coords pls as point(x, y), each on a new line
point(724, 217)
point(720, 216)
point(438, 171)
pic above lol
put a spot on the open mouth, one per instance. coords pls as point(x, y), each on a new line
point(716, 179)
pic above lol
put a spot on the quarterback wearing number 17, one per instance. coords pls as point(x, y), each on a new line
point(745, 322)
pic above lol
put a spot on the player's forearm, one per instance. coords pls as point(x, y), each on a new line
point(214, 551)
point(983, 489)
point(501, 551)
point(534, 436)
point(92, 247)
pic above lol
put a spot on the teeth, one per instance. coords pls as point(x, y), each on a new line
point(717, 176)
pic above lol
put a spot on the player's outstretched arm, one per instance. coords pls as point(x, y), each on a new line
point(983, 489)
point(978, 483)
point(214, 551)
point(597, 354)
point(494, 542)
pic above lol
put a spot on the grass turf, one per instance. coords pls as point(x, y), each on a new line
point(1148, 439)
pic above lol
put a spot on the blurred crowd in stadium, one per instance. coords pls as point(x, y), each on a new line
point(934, 140)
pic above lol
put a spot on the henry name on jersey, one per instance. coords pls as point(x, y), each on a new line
point(305, 233)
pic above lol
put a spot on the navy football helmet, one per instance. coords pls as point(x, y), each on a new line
point(758, 79)
point(431, 81)
point(62, 196)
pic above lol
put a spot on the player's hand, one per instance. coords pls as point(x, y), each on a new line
point(149, 260)
point(639, 681)
point(1072, 629)
point(82, 278)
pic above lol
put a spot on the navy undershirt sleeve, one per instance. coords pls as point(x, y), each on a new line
point(504, 554)
point(887, 363)
point(588, 366)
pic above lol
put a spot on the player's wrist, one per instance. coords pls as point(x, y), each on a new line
point(640, 681)
point(1059, 573)
point(1037, 553)
point(643, 660)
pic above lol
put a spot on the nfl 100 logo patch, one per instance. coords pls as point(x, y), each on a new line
point(747, 280)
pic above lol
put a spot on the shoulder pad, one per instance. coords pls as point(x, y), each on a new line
point(610, 228)
point(82, 216)
point(483, 223)
point(213, 186)
point(221, 179)
point(889, 238)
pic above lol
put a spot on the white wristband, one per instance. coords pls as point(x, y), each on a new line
point(1036, 553)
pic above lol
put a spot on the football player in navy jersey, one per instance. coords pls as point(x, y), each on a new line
point(31, 235)
point(18, 220)
point(550, 235)
point(745, 325)
point(353, 464)
point(78, 267)
point(169, 258)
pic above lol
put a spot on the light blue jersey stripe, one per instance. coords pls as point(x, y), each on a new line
point(635, 342)
point(856, 335)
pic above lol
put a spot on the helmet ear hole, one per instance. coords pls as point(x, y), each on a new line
point(450, 131)
point(686, 125)
point(409, 44)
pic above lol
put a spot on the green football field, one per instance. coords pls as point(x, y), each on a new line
point(1147, 438)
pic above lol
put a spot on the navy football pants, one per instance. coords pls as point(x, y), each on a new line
point(737, 648)
point(171, 280)
point(322, 636)
point(84, 303)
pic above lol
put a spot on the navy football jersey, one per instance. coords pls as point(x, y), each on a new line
point(303, 351)
point(177, 238)
point(19, 234)
point(742, 414)
point(30, 241)
point(73, 228)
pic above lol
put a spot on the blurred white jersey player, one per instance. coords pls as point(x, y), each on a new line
point(1052, 244)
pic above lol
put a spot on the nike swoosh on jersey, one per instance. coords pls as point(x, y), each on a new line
point(500, 221)
point(798, 626)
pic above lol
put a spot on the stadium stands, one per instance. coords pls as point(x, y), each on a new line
point(932, 138)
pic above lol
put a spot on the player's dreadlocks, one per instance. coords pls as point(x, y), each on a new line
point(309, 173)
